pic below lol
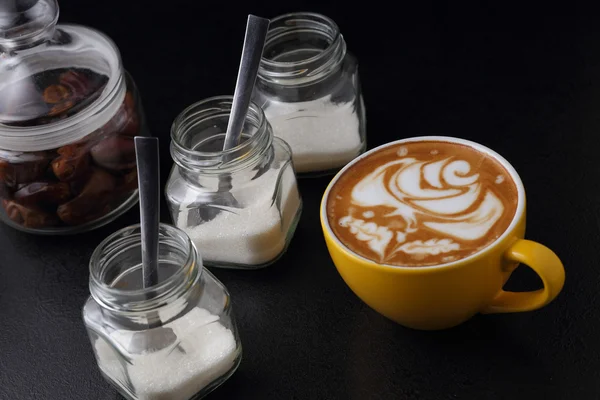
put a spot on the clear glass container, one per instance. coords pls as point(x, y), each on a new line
point(68, 115)
point(309, 89)
point(176, 340)
point(241, 206)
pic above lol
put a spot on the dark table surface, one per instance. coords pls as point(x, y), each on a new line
point(525, 84)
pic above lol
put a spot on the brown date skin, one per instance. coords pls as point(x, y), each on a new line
point(4, 191)
point(61, 108)
point(92, 202)
point(73, 162)
point(6, 173)
point(128, 183)
point(115, 153)
point(16, 173)
point(46, 193)
point(54, 94)
point(29, 217)
point(129, 102)
point(126, 121)
point(132, 126)
point(76, 83)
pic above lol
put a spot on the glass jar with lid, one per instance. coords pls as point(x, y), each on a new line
point(68, 115)
point(241, 206)
point(309, 89)
point(175, 340)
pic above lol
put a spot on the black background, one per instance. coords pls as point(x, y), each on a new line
point(523, 82)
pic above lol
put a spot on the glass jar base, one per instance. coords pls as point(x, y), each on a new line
point(70, 230)
point(226, 265)
point(204, 392)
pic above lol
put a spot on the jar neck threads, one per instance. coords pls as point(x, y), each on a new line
point(301, 48)
point(198, 134)
point(116, 282)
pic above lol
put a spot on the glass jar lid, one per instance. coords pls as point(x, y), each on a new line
point(58, 83)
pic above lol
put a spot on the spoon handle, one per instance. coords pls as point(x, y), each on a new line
point(254, 43)
point(147, 156)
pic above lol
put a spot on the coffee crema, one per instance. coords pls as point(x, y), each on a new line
point(422, 203)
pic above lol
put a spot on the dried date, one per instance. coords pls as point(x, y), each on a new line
point(92, 202)
point(73, 162)
point(78, 85)
point(55, 94)
point(125, 122)
point(61, 108)
point(131, 127)
point(115, 153)
point(43, 193)
point(29, 217)
point(24, 169)
point(128, 183)
point(4, 191)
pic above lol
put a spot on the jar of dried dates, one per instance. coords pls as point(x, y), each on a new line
point(68, 115)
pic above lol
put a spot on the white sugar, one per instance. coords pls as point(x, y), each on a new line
point(323, 135)
point(254, 234)
point(205, 351)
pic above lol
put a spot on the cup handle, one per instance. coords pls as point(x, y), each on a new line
point(548, 267)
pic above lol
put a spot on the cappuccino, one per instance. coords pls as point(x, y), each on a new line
point(422, 203)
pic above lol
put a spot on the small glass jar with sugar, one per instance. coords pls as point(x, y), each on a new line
point(240, 206)
point(175, 340)
point(309, 88)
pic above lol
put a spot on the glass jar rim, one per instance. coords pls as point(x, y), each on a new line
point(100, 290)
point(209, 108)
point(326, 58)
point(296, 15)
point(76, 127)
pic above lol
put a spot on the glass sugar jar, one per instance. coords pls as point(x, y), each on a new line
point(68, 115)
point(309, 89)
point(176, 340)
point(241, 206)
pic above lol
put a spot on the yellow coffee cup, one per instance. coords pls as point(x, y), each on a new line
point(445, 295)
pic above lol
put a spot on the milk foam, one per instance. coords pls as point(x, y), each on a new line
point(447, 201)
point(436, 204)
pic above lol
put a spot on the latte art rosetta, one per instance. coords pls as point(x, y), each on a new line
point(426, 204)
point(451, 195)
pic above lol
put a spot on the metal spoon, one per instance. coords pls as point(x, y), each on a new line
point(209, 205)
point(254, 44)
point(147, 155)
